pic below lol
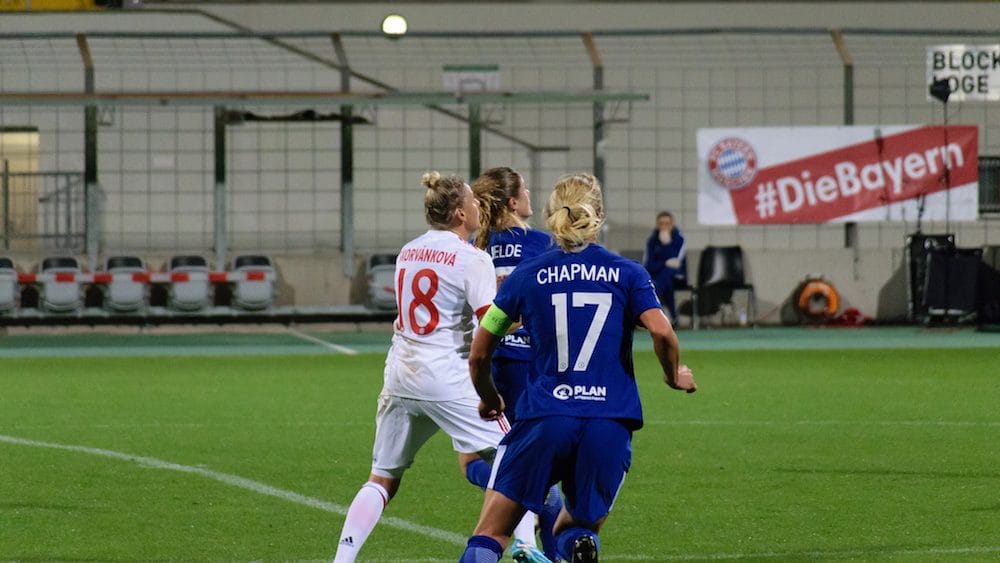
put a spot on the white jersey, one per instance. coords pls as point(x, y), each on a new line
point(440, 279)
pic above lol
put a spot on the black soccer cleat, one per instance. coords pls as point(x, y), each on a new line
point(584, 550)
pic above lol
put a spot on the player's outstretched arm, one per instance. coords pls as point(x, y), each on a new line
point(667, 350)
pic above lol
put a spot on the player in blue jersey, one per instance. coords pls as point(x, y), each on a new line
point(504, 208)
point(580, 304)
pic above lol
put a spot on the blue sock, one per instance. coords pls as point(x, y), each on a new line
point(478, 473)
point(547, 520)
point(481, 549)
point(566, 538)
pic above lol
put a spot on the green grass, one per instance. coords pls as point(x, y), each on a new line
point(781, 456)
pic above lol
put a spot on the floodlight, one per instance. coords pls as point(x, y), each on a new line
point(394, 26)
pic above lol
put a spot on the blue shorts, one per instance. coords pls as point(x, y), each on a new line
point(511, 378)
point(589, 456)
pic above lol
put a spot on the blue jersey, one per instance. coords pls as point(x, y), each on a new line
point(580, 309)
point(508, 248)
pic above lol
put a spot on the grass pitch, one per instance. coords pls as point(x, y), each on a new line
point(832, 455)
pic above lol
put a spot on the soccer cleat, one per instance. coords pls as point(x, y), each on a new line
point(584, 550)
point(524, 553)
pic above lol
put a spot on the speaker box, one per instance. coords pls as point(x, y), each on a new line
point(988, 289)
point(918, 248)
point(952, 279)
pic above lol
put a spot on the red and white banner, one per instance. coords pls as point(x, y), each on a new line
point(793, 175)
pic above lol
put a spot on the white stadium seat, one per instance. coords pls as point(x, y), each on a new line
point(59, 284)
point(124, 293)
point(8, 285)
point(189, 285)
point(380, 274)
point(253, 288)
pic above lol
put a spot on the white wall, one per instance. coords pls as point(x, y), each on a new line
point(284, 183)
point(611, 15)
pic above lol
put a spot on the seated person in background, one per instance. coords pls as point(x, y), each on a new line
point(664, 260)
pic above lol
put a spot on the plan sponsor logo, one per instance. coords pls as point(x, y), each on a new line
point(565, 392)
point(517, 340)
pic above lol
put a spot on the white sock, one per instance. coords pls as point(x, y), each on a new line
point(366, 509)
point(525, 530)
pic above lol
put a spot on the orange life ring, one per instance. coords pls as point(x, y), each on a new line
point(818, 298)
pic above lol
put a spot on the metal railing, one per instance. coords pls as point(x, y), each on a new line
point(43, 210)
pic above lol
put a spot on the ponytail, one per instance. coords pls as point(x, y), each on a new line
point(494, 188)
point(575, 211)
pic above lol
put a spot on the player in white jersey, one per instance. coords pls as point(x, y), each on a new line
point(439, 275)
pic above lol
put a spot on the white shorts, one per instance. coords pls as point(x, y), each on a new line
point(403, 426)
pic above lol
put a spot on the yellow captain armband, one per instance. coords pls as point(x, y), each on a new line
point(496, 321)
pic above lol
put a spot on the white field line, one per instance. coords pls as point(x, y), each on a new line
point(457, 539)
point(243, 483)
point(324, 343)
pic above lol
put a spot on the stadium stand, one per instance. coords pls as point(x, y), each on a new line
point(125, 292)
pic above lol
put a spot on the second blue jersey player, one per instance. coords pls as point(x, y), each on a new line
point(505, 206)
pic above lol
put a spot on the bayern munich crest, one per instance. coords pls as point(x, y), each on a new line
point(733, 163)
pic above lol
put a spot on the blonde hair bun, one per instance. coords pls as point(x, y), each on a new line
point(430, 179)
point(443, 196)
